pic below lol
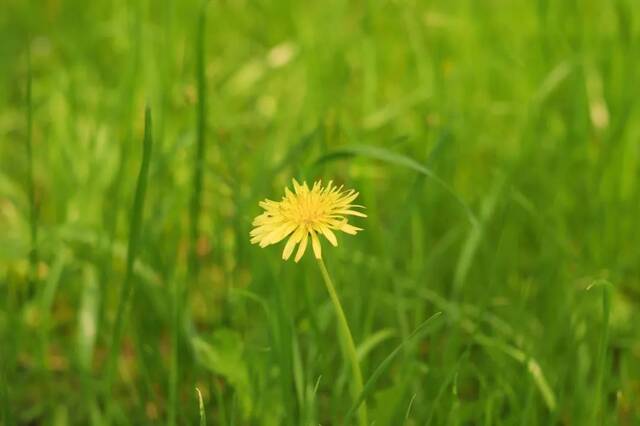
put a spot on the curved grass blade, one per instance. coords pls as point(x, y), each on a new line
point(372, 341)
point(203, 416)
point(397, 159)
point(533, 367)
point(409, 407)
point(384, 365)
point(364, 348)
point(126, 290)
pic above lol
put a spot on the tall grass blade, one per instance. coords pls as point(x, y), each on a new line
point(5, 405)
point(126, 290)
point(600, 389)
point(445, 384)
point(33, 213)
point(46, 297)
point(176, 305)
point(200, 150)
point(474, 238)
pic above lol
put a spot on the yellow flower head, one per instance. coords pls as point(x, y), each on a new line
point(303, 215)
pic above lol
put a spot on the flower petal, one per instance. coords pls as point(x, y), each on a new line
point(347, 198)
point(297, 187)
point(350, 229)
point(288, 194)
point(328, 233)
point(262, 229)
point(302, 247)
point(268, 204)
point(278, 234)
point(291, 243)
point(315, 243)
point(265, 219)
point(349, 212)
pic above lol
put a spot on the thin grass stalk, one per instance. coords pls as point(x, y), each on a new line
point(126, 290)
point(349, 346)
point(175, 353)
point(200, 151)
point(33, 213)
point(599, 407)
point(6, 413)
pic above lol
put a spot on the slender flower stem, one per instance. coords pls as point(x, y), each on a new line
point(349, 346)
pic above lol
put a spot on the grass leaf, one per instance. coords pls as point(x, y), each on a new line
point(203, 416)
point(135, 229)
point(394, 158)
point(369, 386)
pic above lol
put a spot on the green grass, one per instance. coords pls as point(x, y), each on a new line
point(495, 144)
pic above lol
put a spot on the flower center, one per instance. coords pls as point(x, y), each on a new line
point(311, 212)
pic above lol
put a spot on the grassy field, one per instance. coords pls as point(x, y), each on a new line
point(495, 145)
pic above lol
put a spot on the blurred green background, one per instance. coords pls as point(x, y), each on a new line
point(495, 144)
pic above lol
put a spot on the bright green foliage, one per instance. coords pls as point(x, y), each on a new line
point(495, 144)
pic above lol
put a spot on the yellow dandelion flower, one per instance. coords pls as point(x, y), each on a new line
point(303, 215)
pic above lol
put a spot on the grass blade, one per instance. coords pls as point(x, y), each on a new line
point(460, 317)
point(475, 236)
point(33, 213)
point(47, 295)
point(533, 367)
point(126, 290)
point(372, 341)
point(203, 416)
point(600, 390)
point(5, 405)
point(384, 365)
point(396, 159)
point(445, 384)
point(200, 151)
point(176, 305)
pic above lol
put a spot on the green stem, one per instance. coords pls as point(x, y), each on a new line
point(349, 346)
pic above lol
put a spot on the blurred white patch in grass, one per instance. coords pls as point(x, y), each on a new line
point(598, 110)
point(281, 54)
point(254, 70)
